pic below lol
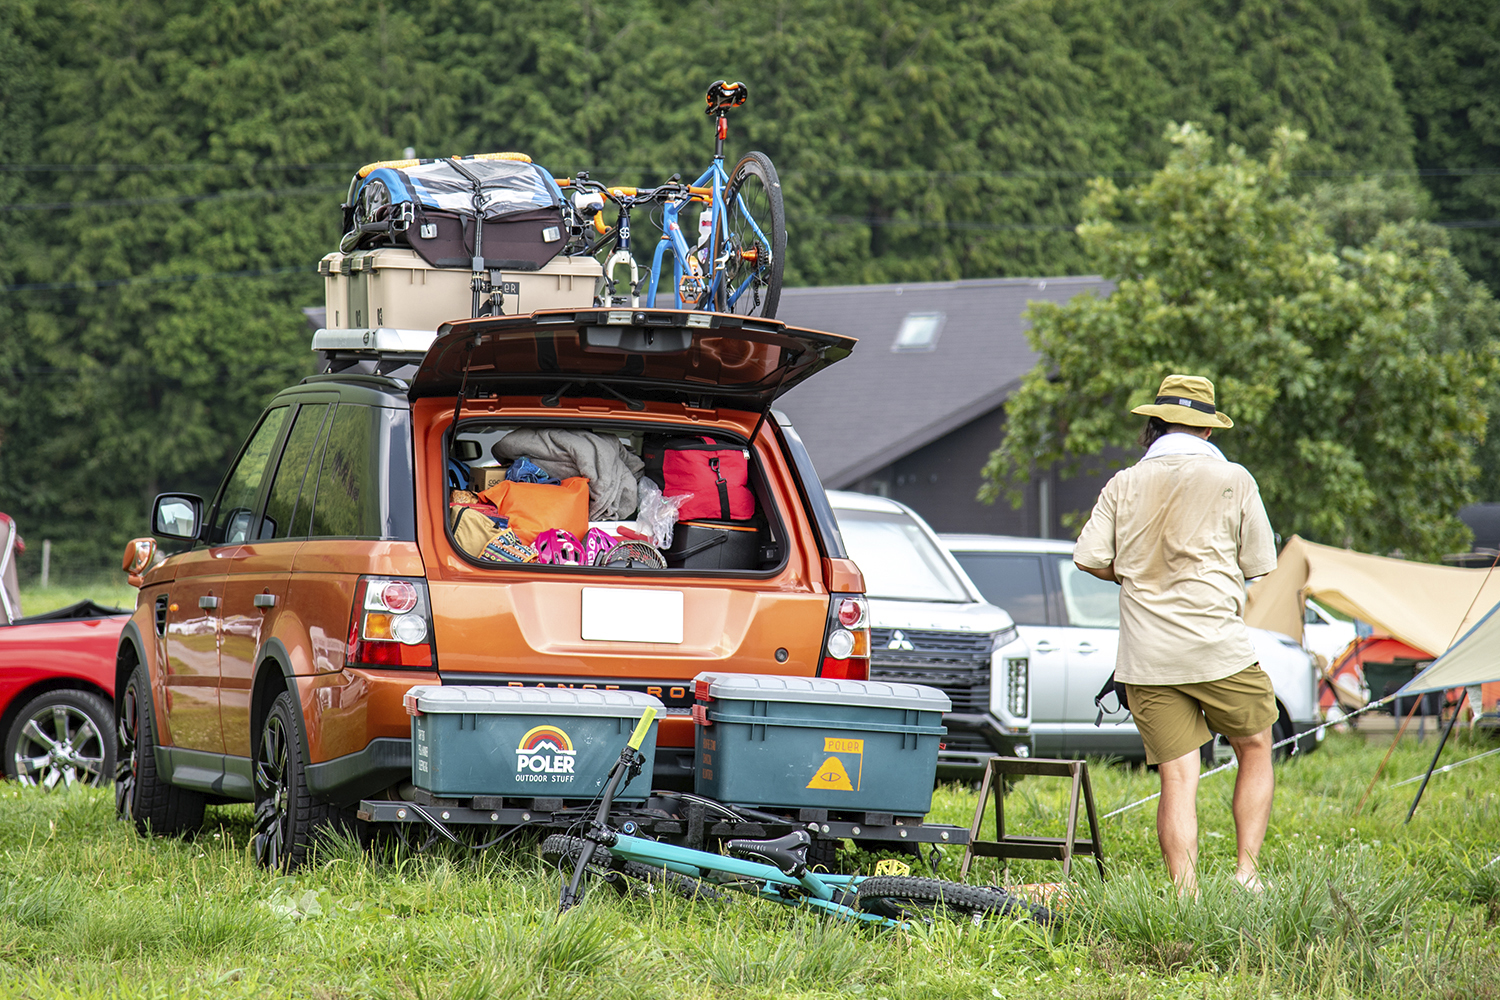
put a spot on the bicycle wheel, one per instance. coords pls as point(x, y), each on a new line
point(902, 897)
point(755, 255)
point(562, 850)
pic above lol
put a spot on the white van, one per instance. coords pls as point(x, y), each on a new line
point(930, 625)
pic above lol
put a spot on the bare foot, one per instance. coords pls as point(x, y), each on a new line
point(1249, 881)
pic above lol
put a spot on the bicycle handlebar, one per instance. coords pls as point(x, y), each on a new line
point(620, 194)
point(642, 728)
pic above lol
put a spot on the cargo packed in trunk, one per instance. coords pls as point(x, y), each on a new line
point(612, 498)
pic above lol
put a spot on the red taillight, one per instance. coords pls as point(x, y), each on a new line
point(390, 625)
point(846, 642)
point(846, 670)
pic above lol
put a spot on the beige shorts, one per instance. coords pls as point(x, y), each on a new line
point(1176, 719)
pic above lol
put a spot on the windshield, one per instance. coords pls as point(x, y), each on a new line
point(898, 560)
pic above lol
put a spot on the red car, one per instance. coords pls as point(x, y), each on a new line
point(57, 690)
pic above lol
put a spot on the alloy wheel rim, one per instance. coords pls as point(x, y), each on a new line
point(271, 793)
point(59, 745)
point(127, 758)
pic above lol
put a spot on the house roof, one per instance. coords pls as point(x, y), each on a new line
point(880, 404)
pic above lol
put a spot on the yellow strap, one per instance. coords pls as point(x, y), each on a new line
point(366, 170)
point(642, 728)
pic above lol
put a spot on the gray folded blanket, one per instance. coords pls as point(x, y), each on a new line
point(611, 468)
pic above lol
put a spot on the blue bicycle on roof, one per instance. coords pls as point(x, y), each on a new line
point(737, 262)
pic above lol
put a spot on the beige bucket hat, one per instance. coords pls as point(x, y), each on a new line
point(1185, 399)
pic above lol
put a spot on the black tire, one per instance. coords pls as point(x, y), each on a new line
point(1284, 730)
point(62, 737)
point(289, 820)
point(902, 897)
point(1218, 751)
point(823, 855)
point(562, 851)
point(1215, 752)
point(141, 794)
point(753, 182)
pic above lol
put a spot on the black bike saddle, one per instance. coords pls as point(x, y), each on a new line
point(787, 853)
point(723, 96)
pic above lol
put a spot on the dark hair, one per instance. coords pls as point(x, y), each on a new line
point(1157, 427)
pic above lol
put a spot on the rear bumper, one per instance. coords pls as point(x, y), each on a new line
point(973, 739)
point(345, 780)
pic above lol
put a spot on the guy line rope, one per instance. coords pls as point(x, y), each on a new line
point(1229, 765)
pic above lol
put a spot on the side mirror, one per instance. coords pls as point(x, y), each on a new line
point(177, 515)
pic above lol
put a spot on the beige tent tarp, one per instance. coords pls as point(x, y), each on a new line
point(1474, 659)
point(1423, 605)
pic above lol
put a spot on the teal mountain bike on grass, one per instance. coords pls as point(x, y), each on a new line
point(736, 265)
point(771, 869)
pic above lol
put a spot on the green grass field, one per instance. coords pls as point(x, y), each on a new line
point(110, 591)
point(1358, 906)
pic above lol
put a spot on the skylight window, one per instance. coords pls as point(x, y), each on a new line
point(919, 331)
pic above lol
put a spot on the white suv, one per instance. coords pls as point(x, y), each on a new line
point(1071, 623)
point(930, 625)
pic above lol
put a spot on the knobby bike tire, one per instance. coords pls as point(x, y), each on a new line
point(903, 897)
point(560, 848)
point(754, 179)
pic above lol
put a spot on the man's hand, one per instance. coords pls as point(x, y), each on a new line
point(1107, 573)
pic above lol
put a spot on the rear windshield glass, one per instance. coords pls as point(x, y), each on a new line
point(898, 560)
point(622, 499)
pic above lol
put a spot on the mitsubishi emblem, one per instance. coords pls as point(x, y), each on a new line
point(901, 642)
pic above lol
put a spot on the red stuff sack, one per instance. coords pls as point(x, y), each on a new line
point(716, 474)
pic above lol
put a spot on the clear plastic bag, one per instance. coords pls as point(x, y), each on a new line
point(657, 515)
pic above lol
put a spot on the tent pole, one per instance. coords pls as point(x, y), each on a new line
point(1416, 702)
point(1447, 731)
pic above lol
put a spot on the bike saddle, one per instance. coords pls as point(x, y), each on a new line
point(723, 96)
point(787, 853)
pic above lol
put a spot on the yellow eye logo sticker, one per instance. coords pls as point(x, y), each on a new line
point(832, 775)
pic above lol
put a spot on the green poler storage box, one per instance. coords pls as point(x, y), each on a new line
point(525, 742)
point(813, 742)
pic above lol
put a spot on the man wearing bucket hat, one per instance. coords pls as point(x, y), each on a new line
point(1180, 532)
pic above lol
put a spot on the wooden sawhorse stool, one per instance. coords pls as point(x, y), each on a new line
point(1035, 848)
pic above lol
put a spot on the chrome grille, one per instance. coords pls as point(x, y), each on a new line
point(956, 663)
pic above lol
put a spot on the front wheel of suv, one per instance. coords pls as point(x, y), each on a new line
point(288, 819)
point(140, 792)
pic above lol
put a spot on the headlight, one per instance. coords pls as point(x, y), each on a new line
point(1003, 638)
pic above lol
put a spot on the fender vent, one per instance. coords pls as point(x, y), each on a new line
point(161, 615)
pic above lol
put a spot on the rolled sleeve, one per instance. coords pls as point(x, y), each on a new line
point(1257, 540)
point(1095, 547)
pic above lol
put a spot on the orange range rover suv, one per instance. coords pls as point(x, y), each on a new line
point(351, 554)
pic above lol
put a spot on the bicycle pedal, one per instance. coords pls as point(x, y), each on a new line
point(891, 866)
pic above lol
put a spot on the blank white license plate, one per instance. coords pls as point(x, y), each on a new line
point(615, 615)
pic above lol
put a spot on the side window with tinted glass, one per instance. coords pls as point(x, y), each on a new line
point(232, 517)
point(291, 474)
point(1012, 582)
point(347, 502)
point(1089, 601)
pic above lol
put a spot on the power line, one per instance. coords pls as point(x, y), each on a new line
point(52, 206)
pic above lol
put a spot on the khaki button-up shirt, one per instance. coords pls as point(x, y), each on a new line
point(1183, 533)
